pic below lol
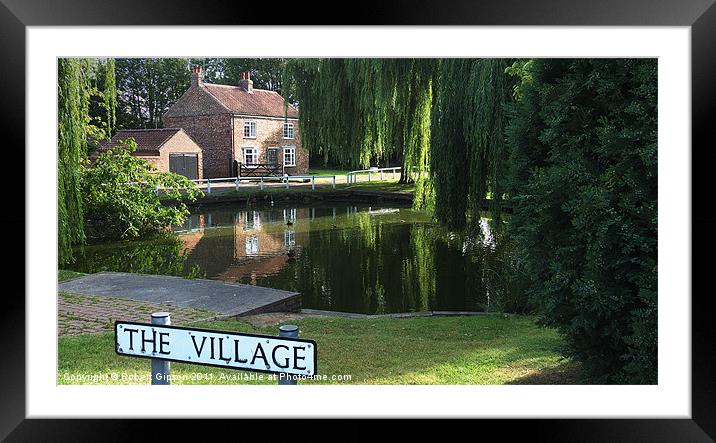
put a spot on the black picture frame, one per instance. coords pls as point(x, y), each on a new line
point(700, 15)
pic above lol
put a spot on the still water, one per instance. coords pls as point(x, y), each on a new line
point(343, 257)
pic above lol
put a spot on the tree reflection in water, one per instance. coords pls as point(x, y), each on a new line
point(351, 258)
point(348, 258)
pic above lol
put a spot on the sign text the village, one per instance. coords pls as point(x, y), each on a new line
point(217, 348)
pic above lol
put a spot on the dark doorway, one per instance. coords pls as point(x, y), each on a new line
point(184, 164)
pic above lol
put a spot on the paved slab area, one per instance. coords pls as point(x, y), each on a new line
point(86, 314)
point(228, 299)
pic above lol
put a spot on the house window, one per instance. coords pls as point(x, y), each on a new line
point(289, 156)
point(288, 130)
point(249, 129)
point(251, 156)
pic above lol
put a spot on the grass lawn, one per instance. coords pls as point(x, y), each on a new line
point(320, 171)
point(382, 186)
point(491, 349)
point(63, 275)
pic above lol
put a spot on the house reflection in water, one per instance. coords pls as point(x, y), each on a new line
point(239, 246)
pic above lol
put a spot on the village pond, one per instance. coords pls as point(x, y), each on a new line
point(345, 257)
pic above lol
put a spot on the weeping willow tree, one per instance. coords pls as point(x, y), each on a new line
point(468, 148)
point(73, 102)
point(443, 119)
point(360, 111)
point(110, 97)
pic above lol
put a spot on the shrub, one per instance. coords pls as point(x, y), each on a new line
point(584, 194)
point(121, 200)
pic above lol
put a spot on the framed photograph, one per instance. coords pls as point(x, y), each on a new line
point(492, 219)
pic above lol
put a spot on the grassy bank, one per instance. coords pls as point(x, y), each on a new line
point(64, 274)
point(492, 349)
point(388, 189)
point(327, 172)
point(381, 186)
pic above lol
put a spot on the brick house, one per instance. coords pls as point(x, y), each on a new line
point(239, 124)
point(168, 149)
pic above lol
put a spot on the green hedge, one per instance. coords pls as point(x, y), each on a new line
point(584, 192)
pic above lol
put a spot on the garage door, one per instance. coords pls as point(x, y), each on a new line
point(184, 164)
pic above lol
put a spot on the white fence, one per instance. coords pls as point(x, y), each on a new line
point(207, 183)
point(352, 176)
point(372, 174)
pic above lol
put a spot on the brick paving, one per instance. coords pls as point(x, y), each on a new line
point(230, 299)
point(86, 314)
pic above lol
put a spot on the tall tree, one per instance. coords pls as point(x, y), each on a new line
point(110, 97)
point(147, 88)
point(266, 73)
point(358, 112)
point(468, 148)
point(584, 192)
point(443, 115)
point(73, 103)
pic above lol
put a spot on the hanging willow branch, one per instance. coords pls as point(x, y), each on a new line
point(360, 111)
point(73, 102)
point(110, 97)
point(468, 143)
point(445, 116)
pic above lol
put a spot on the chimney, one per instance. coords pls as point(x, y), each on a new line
point(197, 77)
point(246, 83)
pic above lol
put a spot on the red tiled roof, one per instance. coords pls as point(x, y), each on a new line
point(261, 102)
point(148, 140)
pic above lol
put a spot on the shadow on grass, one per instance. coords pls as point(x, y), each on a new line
point(460, 350)
point(565, 373)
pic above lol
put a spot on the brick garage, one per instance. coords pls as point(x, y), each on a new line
point(216, 117)
point(168, 149)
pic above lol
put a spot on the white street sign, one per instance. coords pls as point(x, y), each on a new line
point(232, 350)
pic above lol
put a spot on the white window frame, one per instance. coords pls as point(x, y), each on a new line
point(288, 127)
point(292, 151)
point(251, 126)
point(254, 152)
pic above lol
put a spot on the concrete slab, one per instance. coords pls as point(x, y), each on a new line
point(229, 299)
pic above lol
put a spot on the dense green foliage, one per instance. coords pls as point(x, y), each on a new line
point(73, 101)
point(363, 112)
point(148, 87)
point(578, 148)
point(109, 94)
point(467, 142)
point(584, 135)
point(87, 102)
point(266, 73)
point(121, 198)
point(569, 144)
point(101, 120)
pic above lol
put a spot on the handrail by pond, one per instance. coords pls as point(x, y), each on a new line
point(351, 176)
point(286, 179)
